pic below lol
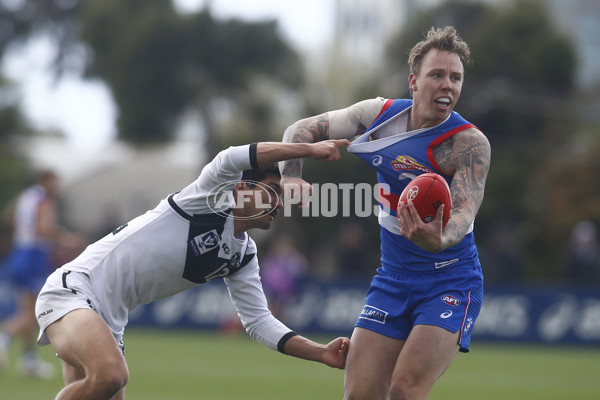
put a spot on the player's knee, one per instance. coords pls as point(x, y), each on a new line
point(110, 381)
point(407, 388)
point(363, 392)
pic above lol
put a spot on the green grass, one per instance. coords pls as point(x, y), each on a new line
point(186, 365)
point(495, 372)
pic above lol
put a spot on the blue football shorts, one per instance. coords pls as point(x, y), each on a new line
point(450, 299)
point(29, 268)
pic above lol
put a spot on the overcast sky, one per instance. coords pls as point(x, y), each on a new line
point(84, 111)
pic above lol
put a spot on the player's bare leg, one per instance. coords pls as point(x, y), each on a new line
point(93, 365)
point(22, 325)
point(369, 366)
point(427, 353)
point(72, 374)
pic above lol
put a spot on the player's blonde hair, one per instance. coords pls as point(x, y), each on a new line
point(445, 39)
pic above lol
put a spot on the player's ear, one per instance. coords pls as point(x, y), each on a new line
point(412, 82)
point(238, 187)
point(241, 186)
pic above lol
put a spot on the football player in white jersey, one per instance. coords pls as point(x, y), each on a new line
point(191, 237)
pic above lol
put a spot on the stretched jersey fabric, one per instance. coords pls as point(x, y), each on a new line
point(188, 239)
point(399, 156)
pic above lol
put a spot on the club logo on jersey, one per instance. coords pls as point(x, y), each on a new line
point(204, 242)
point(235, 260)
point(373, 314)
point(406, 163)
point(450, 300)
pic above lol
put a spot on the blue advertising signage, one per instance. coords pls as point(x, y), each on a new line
point(511, 313)
point(543, 314)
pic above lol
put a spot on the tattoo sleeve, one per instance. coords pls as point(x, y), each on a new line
point(308, 130)
point(344, 123)
point(468, 154)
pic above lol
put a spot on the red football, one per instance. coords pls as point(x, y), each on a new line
point(428, 192)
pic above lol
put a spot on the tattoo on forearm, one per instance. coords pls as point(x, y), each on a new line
point(469, 157)
point(308, 130)
point(292, 168)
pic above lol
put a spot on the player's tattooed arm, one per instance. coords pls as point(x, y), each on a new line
point(307, 130)
point(465, 156)
point(344, 123)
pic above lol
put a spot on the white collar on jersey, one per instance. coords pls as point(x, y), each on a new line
point(362, 143)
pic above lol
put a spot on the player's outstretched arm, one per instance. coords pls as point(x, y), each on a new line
point(344, 123)
point(332, 354)
point(268, 153)
point(296, 188)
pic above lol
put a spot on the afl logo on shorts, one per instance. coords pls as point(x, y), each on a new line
point(450, 300)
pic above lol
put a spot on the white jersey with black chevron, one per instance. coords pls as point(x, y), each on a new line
point(185, 241)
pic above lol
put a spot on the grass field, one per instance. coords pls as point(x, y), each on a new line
point(179, 365)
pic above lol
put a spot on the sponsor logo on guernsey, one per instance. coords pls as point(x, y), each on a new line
point(50, 311)
point(443, 264)
point(413, 192)
point(406, 163)
point(468, 325)
point(205, 242)
point(377, 160)
point(373, 314)
point(450, 300)
point(225, 248)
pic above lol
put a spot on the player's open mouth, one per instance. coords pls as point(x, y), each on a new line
point(443, 101)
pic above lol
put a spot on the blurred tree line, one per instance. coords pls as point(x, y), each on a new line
point(241, 82)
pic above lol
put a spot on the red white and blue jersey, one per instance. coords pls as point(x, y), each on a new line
point(399, 156)
point(26, 219)
point(30, 262)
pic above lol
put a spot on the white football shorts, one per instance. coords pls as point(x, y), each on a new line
point(63, 292)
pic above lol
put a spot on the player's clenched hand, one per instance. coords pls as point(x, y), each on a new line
point(427, 236)
point(328, 150)
point(336, 352)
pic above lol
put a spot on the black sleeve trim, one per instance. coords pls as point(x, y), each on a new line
point(284, 340)
point(253, 155)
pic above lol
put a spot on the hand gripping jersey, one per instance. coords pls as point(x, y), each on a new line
point(398, 156)
point(188, 239)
